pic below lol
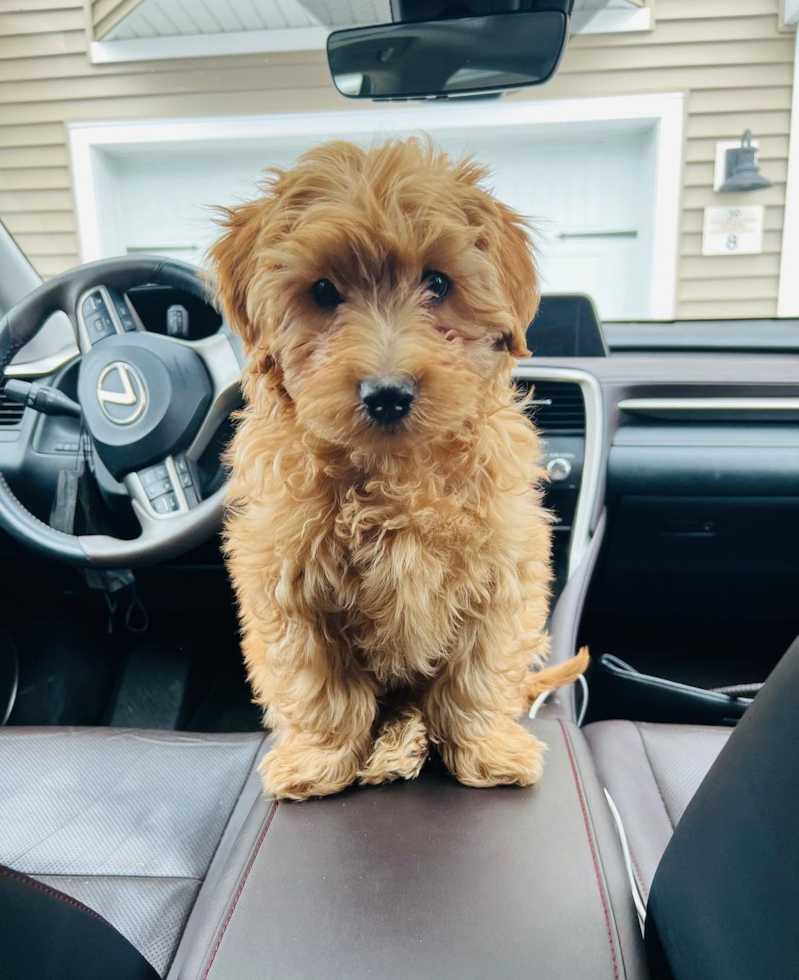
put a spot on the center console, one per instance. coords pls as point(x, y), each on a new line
point(424, 880)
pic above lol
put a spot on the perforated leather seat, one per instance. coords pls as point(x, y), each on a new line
point(421, 879)
point(652, 772)
point(124, 822)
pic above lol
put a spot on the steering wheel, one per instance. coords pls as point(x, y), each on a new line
point(151, 405)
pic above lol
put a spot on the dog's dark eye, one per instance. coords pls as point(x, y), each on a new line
point(436, 283)
point(325, 294)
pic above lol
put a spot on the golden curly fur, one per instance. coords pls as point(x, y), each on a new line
point(393, 583)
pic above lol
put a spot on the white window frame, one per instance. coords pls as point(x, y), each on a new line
point(788, 296)
point(88, 141)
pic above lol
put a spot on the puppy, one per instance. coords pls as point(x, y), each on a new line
point(385, 536)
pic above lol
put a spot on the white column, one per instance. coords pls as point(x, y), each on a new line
point(788, 300)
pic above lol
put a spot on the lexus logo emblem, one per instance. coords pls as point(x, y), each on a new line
point(121, 393)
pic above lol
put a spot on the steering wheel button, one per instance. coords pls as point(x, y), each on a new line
point(166, 504)
point(182, 464)
point(155, 474)
point(99, 326)
point(185, 480)
point(158, 489)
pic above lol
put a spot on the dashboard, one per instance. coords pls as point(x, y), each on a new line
point(674, 474)
point(698, 494)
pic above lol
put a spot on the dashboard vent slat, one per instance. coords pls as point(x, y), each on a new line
point(10, 412)
point(560, 408)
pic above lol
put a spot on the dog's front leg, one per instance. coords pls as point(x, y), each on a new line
point(322, 713)
point(470, 711)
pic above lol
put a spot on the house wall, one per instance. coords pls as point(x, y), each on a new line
point(729, 58)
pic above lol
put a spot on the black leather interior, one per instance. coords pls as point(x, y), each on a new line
point(164, 840)
point(426, 880)
point(123, 822)
point(46, 934)
point(651, 772)
point(723, 901)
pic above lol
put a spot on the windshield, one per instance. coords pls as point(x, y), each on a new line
point(125, 122)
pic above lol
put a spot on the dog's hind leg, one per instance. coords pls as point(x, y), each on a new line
point(400, 749)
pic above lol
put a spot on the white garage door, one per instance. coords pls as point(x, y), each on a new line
point(586, 187)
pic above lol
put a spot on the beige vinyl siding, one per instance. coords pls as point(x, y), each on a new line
point(736, 70)
point(728, 58)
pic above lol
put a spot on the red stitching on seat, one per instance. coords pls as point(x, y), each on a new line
point(264, 832)
point(26, 880)
point(594, 857)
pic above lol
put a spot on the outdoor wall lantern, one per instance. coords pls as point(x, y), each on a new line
point(741, 172)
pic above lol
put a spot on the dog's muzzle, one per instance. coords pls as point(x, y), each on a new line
point(387, 400)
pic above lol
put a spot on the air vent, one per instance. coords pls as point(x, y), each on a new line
point(10, 412)
point(558, 406)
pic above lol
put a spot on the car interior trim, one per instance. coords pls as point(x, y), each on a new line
point(591, 483)
point(709, 405)
point(224, 368)
point(43, 366)
point(564, 624)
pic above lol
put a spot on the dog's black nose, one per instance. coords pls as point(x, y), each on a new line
point(387, 400)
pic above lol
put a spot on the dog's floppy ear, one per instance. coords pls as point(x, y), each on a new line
point(505, 236)
point(233, 258)
point(509, 241)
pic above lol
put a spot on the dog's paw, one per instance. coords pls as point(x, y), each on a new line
point(399, 751)
point(508, 755)
point(297, 770)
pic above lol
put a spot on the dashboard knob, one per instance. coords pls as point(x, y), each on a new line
point(559, 469)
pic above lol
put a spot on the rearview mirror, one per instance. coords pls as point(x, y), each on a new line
point(442, 58)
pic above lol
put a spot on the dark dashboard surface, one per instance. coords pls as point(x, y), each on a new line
point(699, 474)
point(700, 483)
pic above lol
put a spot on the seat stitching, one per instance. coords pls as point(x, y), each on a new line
point(594, 858)
point(25, 880)
point(261, 839)
point(654, 774)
